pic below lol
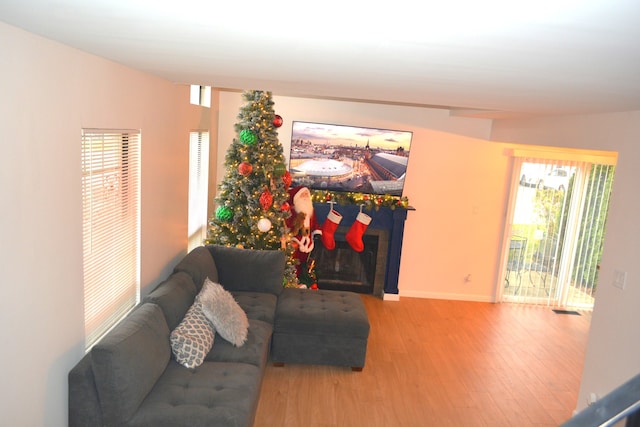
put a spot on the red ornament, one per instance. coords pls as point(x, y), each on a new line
point(314, 286)
point(277, 121)
point(285, 207)
point(266, 199)
point(328, 197)
point(245, 168)
point(286, 178)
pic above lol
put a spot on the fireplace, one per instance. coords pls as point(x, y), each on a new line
point(375, 270)
point(344, 269)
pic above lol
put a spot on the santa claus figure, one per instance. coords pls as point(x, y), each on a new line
point(302, 223)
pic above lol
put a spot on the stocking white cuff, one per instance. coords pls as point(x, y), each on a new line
point(334, 217)
point(363, 218)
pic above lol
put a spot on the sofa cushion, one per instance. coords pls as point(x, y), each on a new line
point(224, 313)
point(215, 394)
point(198, 264)
point(255, 350)
point(174, 296)
point(128, 361)
point(249, 270)
point(322, 313)
point(257, 305)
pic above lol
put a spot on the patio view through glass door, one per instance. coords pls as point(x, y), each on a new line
point(555, 232)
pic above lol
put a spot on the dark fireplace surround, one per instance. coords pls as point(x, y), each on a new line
point(385, 231)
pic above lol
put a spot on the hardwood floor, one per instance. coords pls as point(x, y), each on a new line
point(440, 363)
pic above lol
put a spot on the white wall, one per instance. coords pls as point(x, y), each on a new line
point(614, 340)
point(49, 93)
point(455, 180)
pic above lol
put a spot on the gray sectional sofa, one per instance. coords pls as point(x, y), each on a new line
point(131, 377)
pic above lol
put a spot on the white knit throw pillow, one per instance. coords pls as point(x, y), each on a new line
point(227, 317)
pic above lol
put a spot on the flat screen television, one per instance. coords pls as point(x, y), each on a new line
point(349, 158)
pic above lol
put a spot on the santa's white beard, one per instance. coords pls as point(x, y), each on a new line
point(305, 205)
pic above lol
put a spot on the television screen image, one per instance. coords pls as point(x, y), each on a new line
point(348, 158)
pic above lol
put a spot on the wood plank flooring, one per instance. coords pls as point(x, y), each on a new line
point(440, 363)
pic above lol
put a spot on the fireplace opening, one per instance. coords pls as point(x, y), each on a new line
point(387, 224)
point(344, 269)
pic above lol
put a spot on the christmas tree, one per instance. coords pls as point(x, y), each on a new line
point(252, 202)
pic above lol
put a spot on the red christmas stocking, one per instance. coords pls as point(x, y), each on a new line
point(329, 228)
point(354, 235)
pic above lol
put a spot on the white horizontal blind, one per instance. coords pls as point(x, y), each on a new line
point(198, 187)
point(110, 199)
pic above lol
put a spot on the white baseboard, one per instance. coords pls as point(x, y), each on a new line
point(439, 295)
point(391, 297)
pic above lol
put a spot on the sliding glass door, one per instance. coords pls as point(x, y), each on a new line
point(554, 232)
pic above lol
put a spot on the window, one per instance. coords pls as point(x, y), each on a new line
point(200, 95)
point(198, 187)
point(110, 216)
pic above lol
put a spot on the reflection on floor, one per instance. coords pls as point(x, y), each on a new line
point(541, 288)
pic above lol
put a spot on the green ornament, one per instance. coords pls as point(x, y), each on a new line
point(247, 137)
point(223, 213)
point(279, 169)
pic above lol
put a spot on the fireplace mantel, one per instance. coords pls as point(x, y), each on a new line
point(384, 218)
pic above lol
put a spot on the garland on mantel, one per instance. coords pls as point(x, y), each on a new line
point(370, 201)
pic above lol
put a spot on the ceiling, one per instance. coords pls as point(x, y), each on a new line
point(493, 58)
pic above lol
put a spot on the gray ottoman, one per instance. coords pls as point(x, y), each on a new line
point(320, 327)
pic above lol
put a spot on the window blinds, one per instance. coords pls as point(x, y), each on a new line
point(557, 230)
point(198, 187)
point(110, 203)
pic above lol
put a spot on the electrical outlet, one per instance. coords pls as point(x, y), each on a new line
point(620, 279)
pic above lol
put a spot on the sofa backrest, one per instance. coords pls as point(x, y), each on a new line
point(84, 405)
point(249, 270)
point(128, 361)
point(174, 296)
point(199, 264)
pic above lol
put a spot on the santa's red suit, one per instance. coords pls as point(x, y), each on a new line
point(302, 223)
